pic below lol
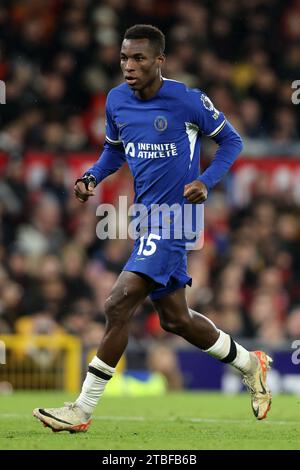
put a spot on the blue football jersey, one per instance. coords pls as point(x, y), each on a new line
point(161, 137)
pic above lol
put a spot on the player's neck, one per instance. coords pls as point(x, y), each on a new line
point(150, 91)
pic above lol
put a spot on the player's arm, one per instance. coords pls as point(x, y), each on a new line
point(213, 124)
point(111, 159)
point(230, 146)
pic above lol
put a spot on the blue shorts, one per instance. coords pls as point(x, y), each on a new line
point(164, 261)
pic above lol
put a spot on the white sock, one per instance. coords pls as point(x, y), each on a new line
point(97, 377)
point(230, 352)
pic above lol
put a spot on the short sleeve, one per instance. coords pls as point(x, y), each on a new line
point(111, 130)
point(209, 120)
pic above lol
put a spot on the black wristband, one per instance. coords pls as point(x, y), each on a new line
point(87, 179)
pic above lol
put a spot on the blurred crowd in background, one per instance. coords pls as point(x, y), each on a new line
point(56, 271)
point(59, 59)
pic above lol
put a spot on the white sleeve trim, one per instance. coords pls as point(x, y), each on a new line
point(217, 130)
point(114, 142)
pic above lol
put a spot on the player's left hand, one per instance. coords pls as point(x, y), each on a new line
point(196, 192)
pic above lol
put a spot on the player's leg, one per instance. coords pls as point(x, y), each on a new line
point(176, 317)
point(129, 291)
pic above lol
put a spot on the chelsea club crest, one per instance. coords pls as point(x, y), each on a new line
point(160, 123)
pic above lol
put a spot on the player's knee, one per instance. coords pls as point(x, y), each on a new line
point(178, 326)
point(119, 308)
point(114, 310)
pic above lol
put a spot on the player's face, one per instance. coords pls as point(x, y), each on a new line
point(140, 64)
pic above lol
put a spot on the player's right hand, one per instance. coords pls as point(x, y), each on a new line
point(84, 189)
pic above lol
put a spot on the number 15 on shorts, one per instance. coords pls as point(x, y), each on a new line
point(148, 246)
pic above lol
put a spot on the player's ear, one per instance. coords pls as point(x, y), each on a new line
point(161, 59)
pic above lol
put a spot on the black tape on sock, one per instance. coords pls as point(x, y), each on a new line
point(232, 353)
point(99, 373)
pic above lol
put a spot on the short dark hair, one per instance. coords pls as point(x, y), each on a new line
point(146, 31)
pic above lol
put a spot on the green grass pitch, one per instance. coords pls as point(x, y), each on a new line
point(175, 421)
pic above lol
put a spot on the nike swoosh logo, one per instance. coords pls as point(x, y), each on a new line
point(263, 390)
point(122, 125)
point(43, 412)
point(139, 259)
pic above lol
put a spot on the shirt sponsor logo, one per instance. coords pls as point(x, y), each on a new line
point(147, 150)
